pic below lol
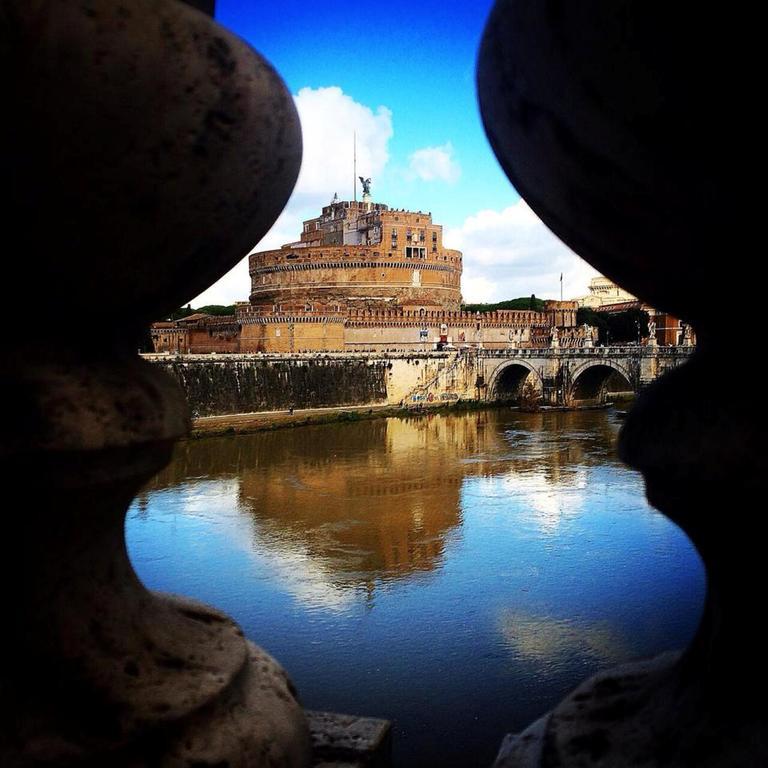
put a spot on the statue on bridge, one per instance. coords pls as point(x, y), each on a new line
point(652, 334)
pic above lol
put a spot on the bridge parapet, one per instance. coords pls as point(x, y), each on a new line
point(623, 351)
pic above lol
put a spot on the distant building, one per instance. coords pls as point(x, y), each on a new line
point(603, 291)
point(605, 296)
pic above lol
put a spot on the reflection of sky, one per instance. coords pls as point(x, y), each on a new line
point(551, 641)
point(206, 520)
point(558, 568)
point(542, 503)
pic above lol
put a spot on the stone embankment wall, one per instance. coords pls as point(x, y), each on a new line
point(247, 383)
point(243, 384)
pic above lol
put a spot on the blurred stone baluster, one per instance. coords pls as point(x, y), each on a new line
point(628, 134)
point(144, 151)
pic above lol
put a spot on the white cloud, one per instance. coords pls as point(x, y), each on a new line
point(507, 253)
point(435, 164)
point(329, 117)
point(510, 253)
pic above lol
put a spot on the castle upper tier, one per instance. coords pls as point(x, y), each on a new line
point(360, 255)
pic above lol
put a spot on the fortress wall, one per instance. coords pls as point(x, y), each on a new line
point(293, 334)
point(409, 336)
point(204, 341)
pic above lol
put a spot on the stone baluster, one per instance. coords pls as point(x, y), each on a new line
point(602, 115)
point(144, 149)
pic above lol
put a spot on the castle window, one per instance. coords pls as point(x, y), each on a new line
point(413, 252)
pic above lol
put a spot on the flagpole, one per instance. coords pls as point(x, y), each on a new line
point(561, 286)
point(354, 163)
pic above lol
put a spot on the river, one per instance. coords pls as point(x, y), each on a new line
point(457, 574)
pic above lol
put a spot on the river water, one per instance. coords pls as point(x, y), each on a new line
point(457, 574)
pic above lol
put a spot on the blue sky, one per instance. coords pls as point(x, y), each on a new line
point(402, 75)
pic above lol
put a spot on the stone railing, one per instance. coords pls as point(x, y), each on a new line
point(609, 133)
point(631, 350)
point(158, 147)
point(287, 356)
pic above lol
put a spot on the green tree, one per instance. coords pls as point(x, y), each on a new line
point(524, 303)
point(219, 310)
point(615, 327)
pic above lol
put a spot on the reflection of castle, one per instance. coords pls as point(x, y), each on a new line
point(382, 499)
point(362, 277)
point(382, 506)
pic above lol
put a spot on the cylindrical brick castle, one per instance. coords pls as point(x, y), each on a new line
point(360, 255)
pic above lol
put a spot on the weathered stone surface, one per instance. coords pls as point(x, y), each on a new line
point(337, 764)
point(604, 722)
point(601, 114)
point(151, 150)
point(347, 739)
point(147, 149)
point(523, 750)
point(74, 405)
point(609, 133)
point(241, 385)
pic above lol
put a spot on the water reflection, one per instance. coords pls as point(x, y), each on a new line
point(546, 640)
point(456, 573)
point(373, 500)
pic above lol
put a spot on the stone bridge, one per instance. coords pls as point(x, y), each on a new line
point(219, 384)
point(555, 376)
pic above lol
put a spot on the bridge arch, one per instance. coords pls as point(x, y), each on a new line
point(508, 379)
point(593, 380)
